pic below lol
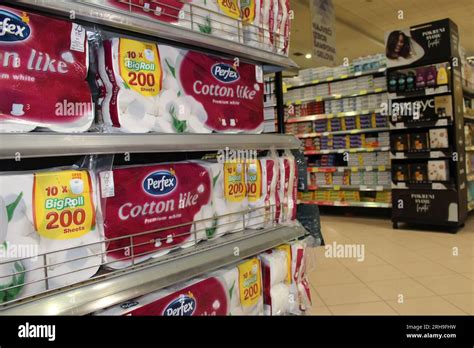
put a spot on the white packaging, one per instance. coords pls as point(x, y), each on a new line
point(42, 213)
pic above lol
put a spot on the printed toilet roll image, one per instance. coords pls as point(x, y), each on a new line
point(148, 210)
point(300, 293)
point(217, 294)
point(44, 69)
point(43, 214)
point(160, 88)
point(288, 182)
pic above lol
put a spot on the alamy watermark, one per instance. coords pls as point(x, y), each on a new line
point(352, 251)
point(18, 251)
point(228, 155)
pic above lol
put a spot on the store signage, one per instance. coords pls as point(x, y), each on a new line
point(324, 31)
point(435, 206)
point(422, 44)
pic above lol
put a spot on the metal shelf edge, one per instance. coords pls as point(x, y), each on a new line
point(145, 278)
point(51, 144)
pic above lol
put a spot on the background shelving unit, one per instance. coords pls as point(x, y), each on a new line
point(107, 288)
point(427, 137)
point(341, 108)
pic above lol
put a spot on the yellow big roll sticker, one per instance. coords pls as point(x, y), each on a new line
point(140, 66)
point(248, 10)
point(230, 8)
point(287, 248)
point(250, 282)
point(234, 182)
point(62, 204)
point(254, 180)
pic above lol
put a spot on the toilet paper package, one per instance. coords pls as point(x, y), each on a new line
point(172, 12)
point(276, 276)
point(47, 218)
point(151, 87)
point(223, 292)
point(283, 22)
point(39, 54)
point(228, 199)
point(287, 187)
point(299, 288)
point(220, 18)
point(261, 191)
point(157, 204)
point(258, 22)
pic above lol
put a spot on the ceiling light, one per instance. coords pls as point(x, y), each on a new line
point(308, 55)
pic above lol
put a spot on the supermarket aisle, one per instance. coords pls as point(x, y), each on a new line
point(403, 272)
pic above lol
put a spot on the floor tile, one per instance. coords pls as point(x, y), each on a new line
point(346, 294)
point(426, 306)
point(379, 272)
point(460, 264)
point(332, 276)
point(447, 284)
point(465, 302)
point(369, 260)
point(370, 308)
point(425, 268)
point(391, 289)
point(323, 310)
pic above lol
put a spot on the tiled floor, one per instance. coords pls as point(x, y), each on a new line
point(403, 271)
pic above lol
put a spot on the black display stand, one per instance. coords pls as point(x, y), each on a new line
point(427, 127)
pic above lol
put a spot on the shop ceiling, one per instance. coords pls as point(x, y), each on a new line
point(361, 24)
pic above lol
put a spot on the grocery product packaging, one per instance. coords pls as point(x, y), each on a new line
point(276, 277)
point(42, 59)
point(167, 11)
point(51, 213)
point(300, 293)
point(262, 176)
point(235, 290)
point(151, 87)
point(288, 182)
point(157, 204)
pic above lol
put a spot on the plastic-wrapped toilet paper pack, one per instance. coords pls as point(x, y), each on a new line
point(52, 213)
point(217, 293)
point(287, 187)
point(229, 200)
point(217, 17)
point(276, 275)
point(258, 19)
point(41, 54)
point(283, 27)
point(168, 11)
point(261, 191)
point(144, 198)
point(299, 288)
point(151, 87)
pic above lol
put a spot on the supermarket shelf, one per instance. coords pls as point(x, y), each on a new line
point(402, 185)
point(360, 149)
point(335, 79)
point(352, 169)
point(97, 12)
point(329, 116)
point(420, 93)
point(337, 96)
point(470, 177)
point(353, 131)
point(348, 204)
point(421, 154)
point(146, 277)
point(470, 148)
point(442, 122)
point(348, 188)
point(469, 114)
point(54, 144)
point(271, 105)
